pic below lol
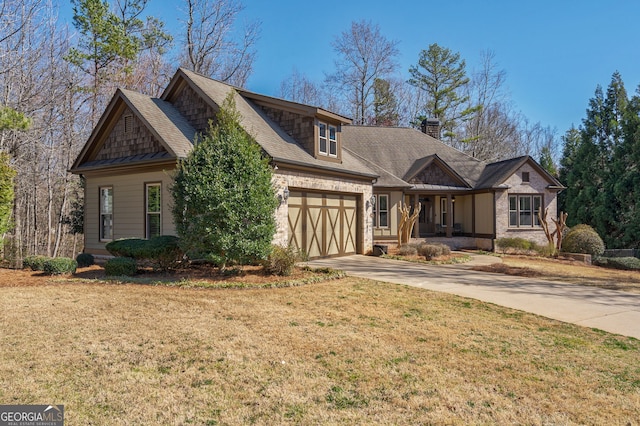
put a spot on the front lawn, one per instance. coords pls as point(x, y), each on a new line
point(347, 351)
point(566, 270)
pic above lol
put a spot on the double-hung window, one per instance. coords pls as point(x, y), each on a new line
point(523, 210)
point(381, 211)
point(106, 213)
point(327, 139)
point(153, 209)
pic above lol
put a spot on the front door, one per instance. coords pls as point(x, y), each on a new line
point(426, 224)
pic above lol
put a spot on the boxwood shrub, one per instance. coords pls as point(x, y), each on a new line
point(120, 266)
point(162, 252)
point(60, 265)
point(85, 259)
point(583, 239)
point(35, 263)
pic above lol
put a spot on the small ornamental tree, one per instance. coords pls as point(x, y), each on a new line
point(224, 201)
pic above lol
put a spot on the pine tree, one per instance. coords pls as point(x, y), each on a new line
point(224, 201)
point(385, 104)
point(442, 75)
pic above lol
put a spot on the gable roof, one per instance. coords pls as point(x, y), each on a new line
point(275, 142)
point(422, 163)
point(166, 124)
point(495, 174)
point(405, 151)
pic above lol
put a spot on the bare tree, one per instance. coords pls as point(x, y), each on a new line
point(298, 88)
point(211, 47)
point(364, 55)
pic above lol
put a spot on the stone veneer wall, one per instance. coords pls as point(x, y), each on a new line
point(139, 140)
point(537, 185)
point(294, 180)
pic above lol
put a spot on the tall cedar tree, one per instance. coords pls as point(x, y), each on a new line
point(590, 168)
point(224, 201)
point(442, 75)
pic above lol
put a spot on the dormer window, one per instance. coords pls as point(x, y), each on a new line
point(327, 140)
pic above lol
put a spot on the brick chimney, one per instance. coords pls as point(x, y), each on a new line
point(431, 126)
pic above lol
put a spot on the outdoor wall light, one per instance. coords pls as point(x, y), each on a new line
point(371, 202)
point(284, 196)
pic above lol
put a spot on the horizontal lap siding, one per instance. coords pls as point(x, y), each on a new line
point(128, 206)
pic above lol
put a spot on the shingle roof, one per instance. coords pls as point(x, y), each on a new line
point(275, 141)
point(165, 120)
point(496, 173)
point(400, 149)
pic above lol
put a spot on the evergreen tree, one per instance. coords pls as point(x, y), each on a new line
point(11, 119)
point(588, 170)
point(385, 104)
point(626, 179)
point(224, 201)
point(7, 173)
point(442, 75)
point(546, 161)
point(571, 141)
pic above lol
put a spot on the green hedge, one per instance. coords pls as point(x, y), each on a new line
point(120, 266)
point(626, 263)
point(60, 265)
point(35, 263)
point(163, 252)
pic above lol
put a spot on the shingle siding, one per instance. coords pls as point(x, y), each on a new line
point(194, 109)
point(137, 140)
point(299, 127)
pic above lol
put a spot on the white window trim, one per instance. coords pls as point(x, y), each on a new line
point(333, 142)
point(325, 138)
point(535, 222)
point(377, 211)
point(146, 208)
point(103, 213)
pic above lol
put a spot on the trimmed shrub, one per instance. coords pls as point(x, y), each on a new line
point(516, 244)
point(431, 250)
point(548, 250)
point(126, 247)
point(281, 260)
point(35, 263)
point(583, 239)
point(408, 250)
point(625, 263)
point(60, 265)
point(85, 259)
point(120, 266)
point(163, 251)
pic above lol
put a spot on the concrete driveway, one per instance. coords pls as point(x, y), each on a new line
point(610, 310)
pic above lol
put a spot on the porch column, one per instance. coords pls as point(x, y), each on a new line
point(449, 216)
point(416, 225)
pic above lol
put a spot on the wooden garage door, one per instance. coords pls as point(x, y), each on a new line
point(323, 224)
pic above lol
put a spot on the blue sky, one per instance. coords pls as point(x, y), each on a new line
point(554, 52)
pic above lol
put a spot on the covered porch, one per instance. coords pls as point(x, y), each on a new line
point(445, 212)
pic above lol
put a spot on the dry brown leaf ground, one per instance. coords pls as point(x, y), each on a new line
point(348, 351)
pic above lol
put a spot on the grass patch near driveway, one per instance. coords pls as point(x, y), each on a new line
point(348, 351)
point(566, 270)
